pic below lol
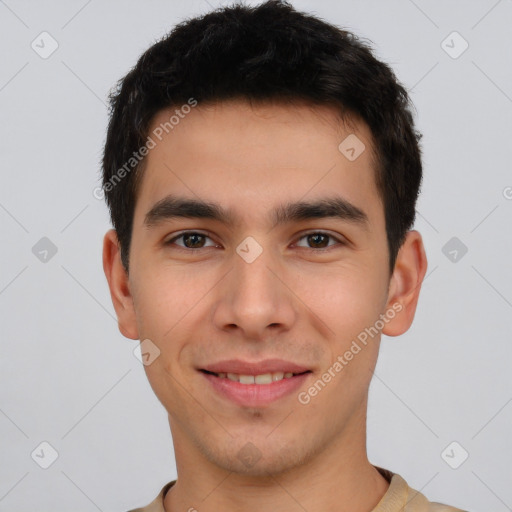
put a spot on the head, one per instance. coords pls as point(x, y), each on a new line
point(235, 128)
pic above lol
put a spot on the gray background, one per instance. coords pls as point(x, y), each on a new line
point(68, 377)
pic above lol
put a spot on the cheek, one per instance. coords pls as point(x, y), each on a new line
point(350, 305)
point(167, 306)
point(165, 298)
point(347, 298)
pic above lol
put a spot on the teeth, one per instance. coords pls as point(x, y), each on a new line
point(265, 378)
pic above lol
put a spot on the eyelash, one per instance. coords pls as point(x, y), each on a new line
point(207, 235)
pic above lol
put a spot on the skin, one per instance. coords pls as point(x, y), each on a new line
point(293, 302)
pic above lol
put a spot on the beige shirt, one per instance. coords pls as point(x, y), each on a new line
point(398, 498)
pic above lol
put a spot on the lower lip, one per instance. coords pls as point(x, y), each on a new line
point(256, 395)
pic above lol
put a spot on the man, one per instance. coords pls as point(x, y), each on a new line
point(262, 168)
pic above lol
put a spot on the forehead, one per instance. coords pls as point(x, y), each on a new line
point(250, 157)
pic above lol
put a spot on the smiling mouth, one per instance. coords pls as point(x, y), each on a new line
point(264, 378)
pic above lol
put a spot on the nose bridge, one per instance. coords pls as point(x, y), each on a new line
point(252, 297)
point(252, 276)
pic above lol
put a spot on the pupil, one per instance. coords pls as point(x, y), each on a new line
point(315, 237)
point(188, 237)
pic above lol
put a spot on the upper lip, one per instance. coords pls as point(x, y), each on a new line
point(257, 368)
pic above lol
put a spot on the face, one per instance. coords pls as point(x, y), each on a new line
point(250, 286)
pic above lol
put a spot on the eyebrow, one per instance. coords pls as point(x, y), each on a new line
point(171, 207)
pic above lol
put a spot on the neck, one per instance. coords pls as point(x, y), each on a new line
point(339, 479)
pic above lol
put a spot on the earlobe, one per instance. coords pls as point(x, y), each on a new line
point(117, 279)
point(405, 284)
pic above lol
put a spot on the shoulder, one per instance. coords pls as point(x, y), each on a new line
point(417, 502)
point(400, 496)
point(157, 505)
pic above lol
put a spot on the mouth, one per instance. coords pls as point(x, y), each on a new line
point(255, 385)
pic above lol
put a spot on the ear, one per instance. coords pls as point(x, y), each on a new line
point(405, 284)
point(119, 286)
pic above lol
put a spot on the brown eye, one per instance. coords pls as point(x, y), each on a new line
point(193, 241)
point(319, 240)
point(190, 239)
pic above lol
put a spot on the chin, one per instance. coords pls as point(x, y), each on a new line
point(259, 458)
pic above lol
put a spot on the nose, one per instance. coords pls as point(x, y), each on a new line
point(254, 300)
